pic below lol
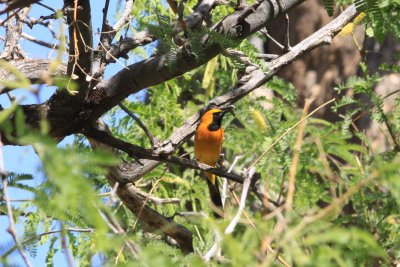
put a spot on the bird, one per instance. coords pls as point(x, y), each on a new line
point(208, 141)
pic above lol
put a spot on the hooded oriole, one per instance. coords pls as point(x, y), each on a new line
point(207, 147)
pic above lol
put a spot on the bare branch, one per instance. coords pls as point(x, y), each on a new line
point(245, 190)
point(39, 42)
point(125, 16)
point(153, 140)
point(156, 200)
point(12, 49)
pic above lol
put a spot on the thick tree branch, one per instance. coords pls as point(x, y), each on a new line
point(158, 69)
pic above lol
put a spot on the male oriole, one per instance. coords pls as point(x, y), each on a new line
point(207, 147)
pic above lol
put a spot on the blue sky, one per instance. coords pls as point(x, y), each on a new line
point(21, 159)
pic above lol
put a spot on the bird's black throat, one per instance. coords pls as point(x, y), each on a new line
point(216, 122)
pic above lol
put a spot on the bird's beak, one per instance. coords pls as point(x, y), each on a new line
point(227, 109)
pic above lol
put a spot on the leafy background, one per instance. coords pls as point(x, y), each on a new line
point(346, 204)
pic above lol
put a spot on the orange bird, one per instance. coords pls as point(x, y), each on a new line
point(207, 147)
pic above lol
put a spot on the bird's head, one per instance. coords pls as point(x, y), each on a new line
point(213, 117)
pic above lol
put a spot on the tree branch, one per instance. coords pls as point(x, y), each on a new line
point(153, 140)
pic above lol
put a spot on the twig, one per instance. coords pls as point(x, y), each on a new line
point(153, 140)
point(287, 36)
point(156, 200)
point(215, 248)
point(65, 247)
point(11, 228)
point(266, 34)
point(39, 42)
point(46, 6)
point(296, 156)
point(112, 193)
point(288, 131)
point(244, 212)
point(246, 186)
point(104, 22)
point(224, 193)
point(117, 229)
point(267, 56)
point(146, 200)
point(125, 16)
point(199, 235)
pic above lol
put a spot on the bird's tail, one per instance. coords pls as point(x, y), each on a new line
point(215, 195)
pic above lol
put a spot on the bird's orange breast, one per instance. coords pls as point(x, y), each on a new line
point(207, 144)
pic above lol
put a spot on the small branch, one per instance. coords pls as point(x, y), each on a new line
point(119, 230)
point(215, 248)
point(105, 12)
point(65, 248)
point(46, 6)
point(266, 34)
point(125, 16)
point(39, 42)
point(30, 22)
point(113, 193)
point(267, 56)
point(287, 36)
point(156, 200)
point(246, 186)
point(154, 142)
point(224, 193)
point(296, 156)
